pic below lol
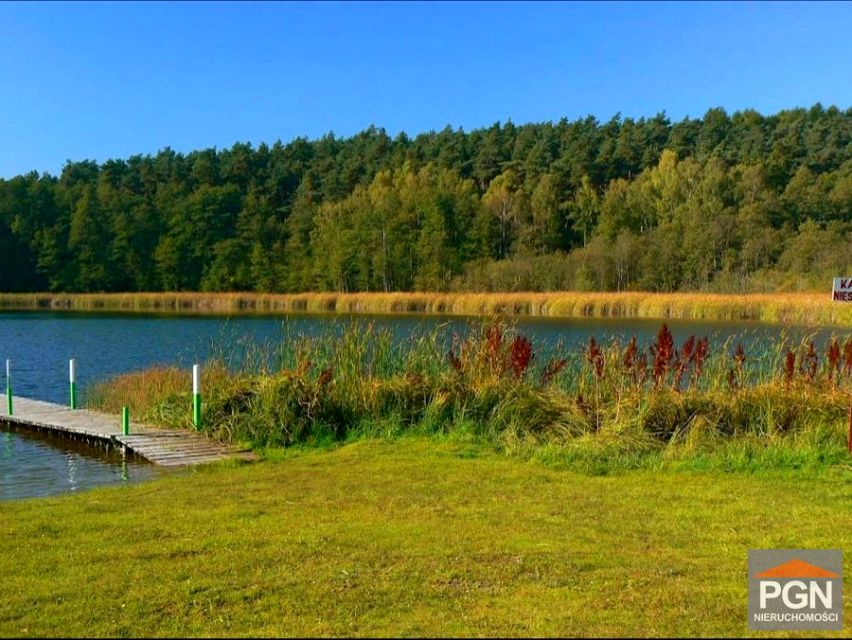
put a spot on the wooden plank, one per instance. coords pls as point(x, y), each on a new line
point(166, 447)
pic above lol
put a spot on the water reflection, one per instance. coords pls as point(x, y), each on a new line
point(36, 464)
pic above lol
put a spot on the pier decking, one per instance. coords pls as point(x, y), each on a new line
point(166, 447)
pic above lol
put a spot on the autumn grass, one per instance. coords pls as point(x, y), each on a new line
point(597, 409)
point(798, 308)
point(409, 538)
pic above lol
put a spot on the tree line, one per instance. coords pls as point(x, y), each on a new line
point(726, 202)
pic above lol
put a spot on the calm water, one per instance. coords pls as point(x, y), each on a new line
point(33, 465)
point(41, 343)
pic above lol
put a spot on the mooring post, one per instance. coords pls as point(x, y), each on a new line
point(196, 395)
point(125, 421)
point(9, 386)
point(72, 376)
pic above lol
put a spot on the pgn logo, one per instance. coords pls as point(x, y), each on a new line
point(795, 589)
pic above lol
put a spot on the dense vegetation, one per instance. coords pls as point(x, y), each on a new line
point(726, 202)
point(606, 406)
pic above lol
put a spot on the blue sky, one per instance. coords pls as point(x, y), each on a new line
point(102, 80)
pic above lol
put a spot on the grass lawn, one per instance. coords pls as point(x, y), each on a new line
point(411, 537)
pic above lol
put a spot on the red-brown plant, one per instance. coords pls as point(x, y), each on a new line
point(739, 356)
point(683, 359)
point(520, 354)
point(494, 342)
point(641, 369)
point(630, 354)
point(662, 351)
point(595, 356)
point(847, 357)
point(732, 378)
point(634, 362)
point(789, 367)
point(833, 359)
point(702, 349)
point(552, 369)
point(810, 363)
point(735, 373)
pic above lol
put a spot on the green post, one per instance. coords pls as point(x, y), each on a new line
point(9, 386)
point(196, 396)
point(72, 375)
point(125, 421)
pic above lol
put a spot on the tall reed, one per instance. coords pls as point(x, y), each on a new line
point(799, 308)
point(628, 399)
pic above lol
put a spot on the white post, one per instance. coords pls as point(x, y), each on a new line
point(196, 395)
point(72, 377)
point(9, 386)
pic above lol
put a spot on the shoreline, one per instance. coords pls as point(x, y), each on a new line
point(798, 308)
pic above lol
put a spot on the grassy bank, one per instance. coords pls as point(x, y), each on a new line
point(599, 408)
point(413, 538)
point(799, 308)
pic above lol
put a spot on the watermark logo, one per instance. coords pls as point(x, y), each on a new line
point(795, 589)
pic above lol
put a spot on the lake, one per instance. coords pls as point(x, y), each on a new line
point(41, 343)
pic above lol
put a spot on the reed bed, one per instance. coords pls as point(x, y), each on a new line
point(798, 308)
point(614, 404)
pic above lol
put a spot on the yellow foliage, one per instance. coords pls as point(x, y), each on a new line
point(798, 308)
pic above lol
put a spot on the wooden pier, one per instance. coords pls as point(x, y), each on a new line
point(166, 447)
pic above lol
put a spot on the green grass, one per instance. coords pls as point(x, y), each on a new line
point(626, 506)
point(413, 537)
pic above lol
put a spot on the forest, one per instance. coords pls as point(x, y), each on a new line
point(738, 202)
